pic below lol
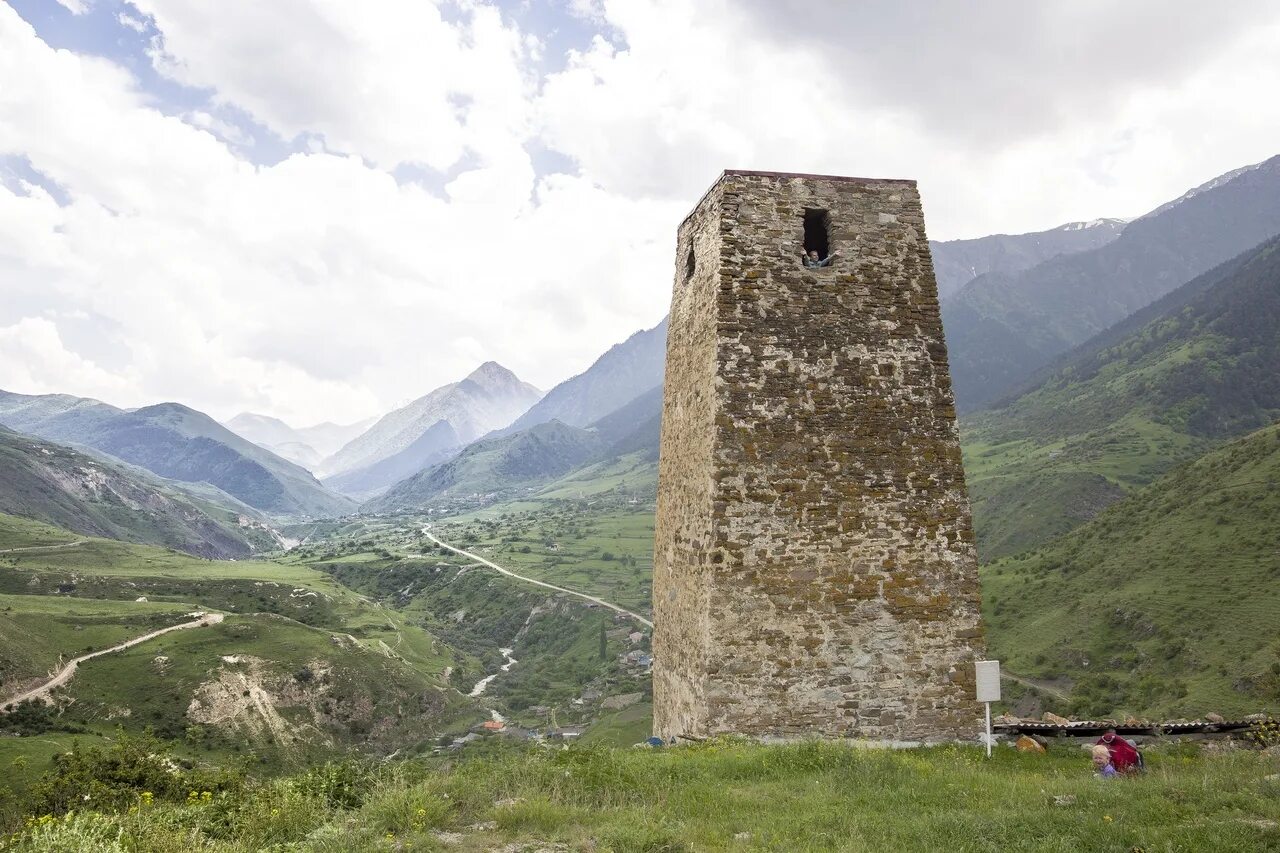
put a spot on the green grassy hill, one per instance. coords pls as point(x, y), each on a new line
point(302, 667)
point(1168, 603)
point(521, 460)
point(95, 497)
point(1197, 368)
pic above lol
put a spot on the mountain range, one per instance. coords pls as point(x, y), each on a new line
point(1121, 451)
point(529, 457)
point(1022, 497)
point(540, 445)
point(958, 262)
point(481, 435)
point(406, 440)
point(616, 378)
point(94, 496)
point(305, 446)
point(1003, 326)
point(1195, 368)
point(178, 443)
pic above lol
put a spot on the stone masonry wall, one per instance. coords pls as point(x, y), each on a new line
point(814, 567)
point(685, 512)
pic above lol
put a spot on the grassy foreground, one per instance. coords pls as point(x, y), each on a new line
point(719, 795)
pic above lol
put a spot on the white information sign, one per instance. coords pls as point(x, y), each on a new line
point(987, 680)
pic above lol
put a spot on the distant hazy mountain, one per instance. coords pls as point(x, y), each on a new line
point(526, 458)
point(488, 399)
point(306, 446)
point(438, 443)
point(55, 484)
point(633, 427)
point(958, 262)
point(1197, 367)
point(613, 408)
point(179, 443)
point(533, 456)
point(1002, 327)
point(616, 378)
point(262, 430)
point(328, 438)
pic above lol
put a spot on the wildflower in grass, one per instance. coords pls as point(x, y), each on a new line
point(1107, 818)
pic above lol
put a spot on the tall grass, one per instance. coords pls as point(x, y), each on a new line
point(724, 794)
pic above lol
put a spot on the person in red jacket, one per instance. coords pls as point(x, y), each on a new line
point(1123, 756)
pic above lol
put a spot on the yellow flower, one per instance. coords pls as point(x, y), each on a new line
point(1107, 818)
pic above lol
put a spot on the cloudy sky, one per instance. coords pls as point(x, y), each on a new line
point(319, 209)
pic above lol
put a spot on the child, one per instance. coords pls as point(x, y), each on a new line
point(1102, 761)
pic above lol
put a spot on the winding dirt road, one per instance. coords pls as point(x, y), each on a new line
point(1055, 692)
point(65, 674)
point(636, 616)
point(43, 547)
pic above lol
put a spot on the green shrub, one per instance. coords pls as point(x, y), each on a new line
point(341, 784)
point(74, 832)
point(133, 768)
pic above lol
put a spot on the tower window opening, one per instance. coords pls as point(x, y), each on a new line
point(817, 232)
point(690, 264)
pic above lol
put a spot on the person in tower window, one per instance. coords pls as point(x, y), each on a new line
point(812, 261)
point(1123, 755)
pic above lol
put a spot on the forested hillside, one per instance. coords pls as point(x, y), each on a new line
point(1198, 367)
point(1167, 604)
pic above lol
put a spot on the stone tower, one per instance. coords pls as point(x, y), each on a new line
point(814, 564)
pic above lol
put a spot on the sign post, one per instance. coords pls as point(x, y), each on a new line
point(987, 683)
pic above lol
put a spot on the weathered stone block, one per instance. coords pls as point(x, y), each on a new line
point(814, 567)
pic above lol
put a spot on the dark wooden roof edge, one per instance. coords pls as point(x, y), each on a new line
point(758, 174)
point(1090, 728)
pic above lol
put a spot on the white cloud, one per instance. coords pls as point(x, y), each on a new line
point(1011, 121)
point(384, 81)
point(317, 288)
point(36, 362)
point(138, 25)
point(320, 288)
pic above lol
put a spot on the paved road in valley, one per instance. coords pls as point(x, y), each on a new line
point(64, 675)
point(636, 616)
